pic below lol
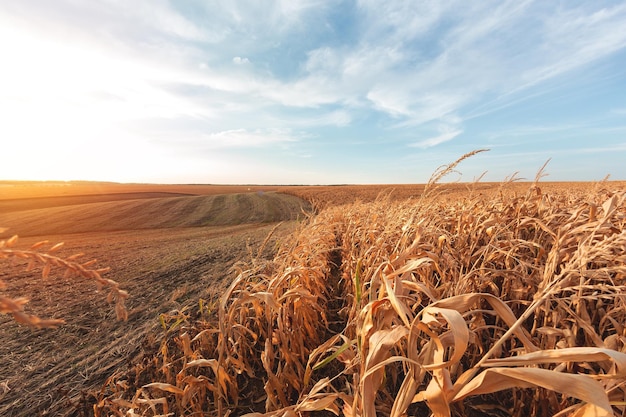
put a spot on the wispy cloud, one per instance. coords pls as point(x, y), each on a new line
point(619, 147)
point(446, 134)
point(619, 111)
point(242, 138)
point(573, 38)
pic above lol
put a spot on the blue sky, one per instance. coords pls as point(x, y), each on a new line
point(311, 92)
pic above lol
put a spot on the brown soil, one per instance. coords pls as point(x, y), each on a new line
point(10, 190)
point(166, 260)
point(145, 213)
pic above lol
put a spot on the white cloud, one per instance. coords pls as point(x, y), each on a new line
point(618, 147)
point(501, 50)
point(447, 133)
point(325, 60)
point(338, 118)
point(392, 102)
point(160, 17)
point(243, 138)
point(573, 38)
point(399, 20)
point(240, 61)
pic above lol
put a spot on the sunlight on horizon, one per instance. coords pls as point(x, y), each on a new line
point(62, 112)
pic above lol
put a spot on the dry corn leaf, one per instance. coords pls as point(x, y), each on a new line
point(400, 307)
point(152, 403)
point(591, 410)
point(582, 387)
point(573, 354)
point(380, 343)
point(325, 402)
point(268, 298)
point(466, 302)
point(11, 241)
point(165, 387)
point(411, 265)
point(609, 206)
point(440, 389)
point(436, 395)
point(212, 363)
point(39, 244)
point(316, 400)
point(458, 328)
point(31, 265)
point(45, 272)
point(56, 247)
point(405, 394)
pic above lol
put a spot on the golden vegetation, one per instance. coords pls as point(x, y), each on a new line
point(498, 303)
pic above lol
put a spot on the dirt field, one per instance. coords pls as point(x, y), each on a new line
point(154, 213)
point(167, 250)
point(28, 189)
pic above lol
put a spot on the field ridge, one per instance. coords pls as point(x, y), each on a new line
point(154, 213)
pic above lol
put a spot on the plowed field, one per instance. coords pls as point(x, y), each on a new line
point(168, 249)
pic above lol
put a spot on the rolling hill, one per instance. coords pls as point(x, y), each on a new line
point(133, 212)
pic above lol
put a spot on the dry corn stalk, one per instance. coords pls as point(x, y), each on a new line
point(433, 305)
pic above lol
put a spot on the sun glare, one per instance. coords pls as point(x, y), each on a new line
point(63, 108)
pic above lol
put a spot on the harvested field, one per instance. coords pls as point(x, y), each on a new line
point(168, 253)
point(131, 213)
point(10, 190)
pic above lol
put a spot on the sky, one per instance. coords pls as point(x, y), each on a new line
point(311, 92)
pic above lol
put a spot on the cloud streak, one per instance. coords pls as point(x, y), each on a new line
point(242, 138)
point(447, 134)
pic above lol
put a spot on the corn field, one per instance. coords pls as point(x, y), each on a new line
point(501, 303)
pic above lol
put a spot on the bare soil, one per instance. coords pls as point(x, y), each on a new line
point(10, 190)
point(167, 252)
